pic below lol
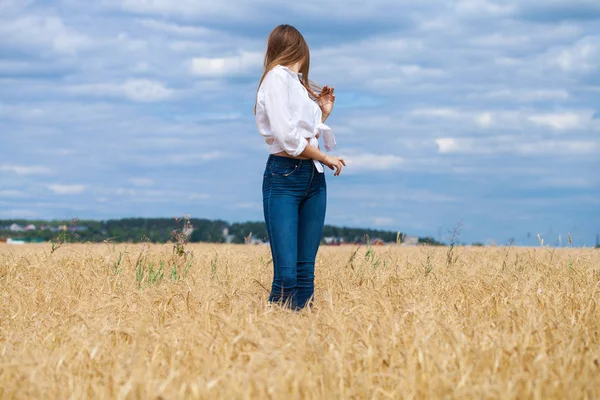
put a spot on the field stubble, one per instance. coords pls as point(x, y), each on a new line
point(93, 321)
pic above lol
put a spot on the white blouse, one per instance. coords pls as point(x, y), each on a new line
point(286, 116)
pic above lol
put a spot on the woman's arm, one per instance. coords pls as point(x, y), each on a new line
point(334, 163)
point(313, 153)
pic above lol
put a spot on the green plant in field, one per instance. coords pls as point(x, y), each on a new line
point(352, 257)
point(174, 275)
point(400, 238)
point(64, 236)
point(180, 235)
point(454, 234)
point(188, 264)
point(155, 276)
point(428, 267)
point(506, 253)
point(117, 265)
point(213, 266)
point(370, 255)
point(139, 270)
point(176, 271)
point(570, 257)
point(180, 261)
point(182, 258)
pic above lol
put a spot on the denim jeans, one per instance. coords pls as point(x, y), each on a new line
point(294, 202)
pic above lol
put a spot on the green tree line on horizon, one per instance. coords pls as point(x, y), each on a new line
point(159, 230)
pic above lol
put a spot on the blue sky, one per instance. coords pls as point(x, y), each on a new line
point(476, 111)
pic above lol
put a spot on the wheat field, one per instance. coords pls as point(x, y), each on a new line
point(105, 321)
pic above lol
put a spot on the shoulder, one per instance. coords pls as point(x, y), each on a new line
point(280, 70)
point(278, 75)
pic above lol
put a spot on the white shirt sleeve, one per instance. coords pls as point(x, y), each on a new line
point(278, 108)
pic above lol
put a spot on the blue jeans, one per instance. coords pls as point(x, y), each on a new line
point(294, 202)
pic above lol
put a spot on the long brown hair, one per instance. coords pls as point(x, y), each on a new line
point(286, 46)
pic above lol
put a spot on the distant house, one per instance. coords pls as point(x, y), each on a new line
point(410, 241)
point(333, 240)
point(254, 240)
point(229, 238)
point(30, 227)
point(15, 228)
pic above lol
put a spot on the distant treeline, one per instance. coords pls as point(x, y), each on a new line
point(159, 230)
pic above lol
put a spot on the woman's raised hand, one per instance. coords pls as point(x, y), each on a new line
point(326, 100)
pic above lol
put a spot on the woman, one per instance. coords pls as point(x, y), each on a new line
point(291, 117)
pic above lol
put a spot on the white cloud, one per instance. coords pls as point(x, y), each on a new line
point(249, 206)
point(139, 90)
point(177, 29)
point(485, 120)
point(12, 193)
point(14, 5)
point(213, 155)
point(18, 213)
point(388, 195)
point(24, 169)
point(19, 111)
point(479, 8)
point(178, 158)
point(182, 7)
point(198, 196)
point(566, 182)
point(527, 95)
point(517, 145)
point(145, 90)
point(130, 44)
point(447, 145)
point(67, 189)
point(383, 221)
point(225, 66)
point(559, 121)
point(238, 10)
point(142, 182)
point(582, 56)
point(369, 161)
point(419, 71)
point(141, 67)
point(437, 112)
point(399, 75)
point(562, 147)
point(526, 37)
point(43, 31)
point(125, 192)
